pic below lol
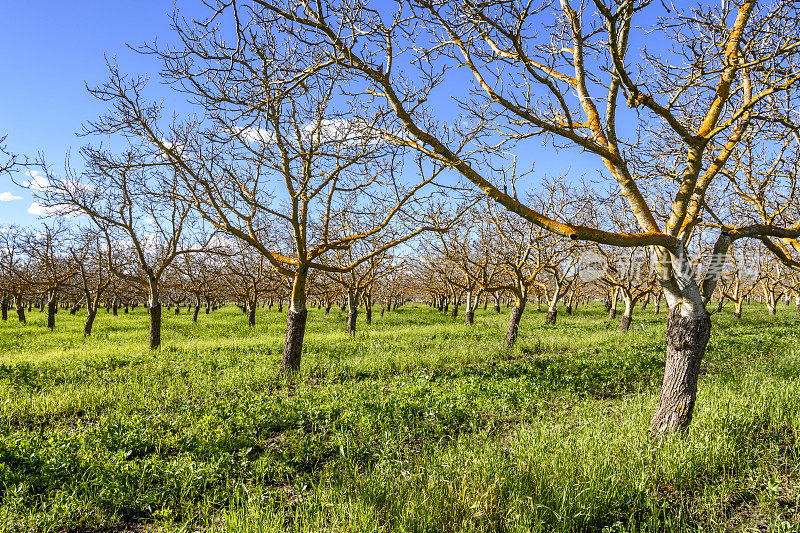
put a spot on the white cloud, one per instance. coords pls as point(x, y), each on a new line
point(263, 136)
point(42, 210)
point(7, 197)
point(38, 181)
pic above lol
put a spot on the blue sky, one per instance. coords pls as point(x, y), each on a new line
point(52, 49)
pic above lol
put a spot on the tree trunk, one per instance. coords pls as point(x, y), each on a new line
point(368, 314)
point(612, 310)
point(87, 326)
point(797, 306)
point(625, 323)
point(155, 325)
point(469, 317)
point(4, 308)
point(513, 323)
point(293, 347)
point(295, 324)
point(51, 313)
point(251, 314)
point(352, 315)
point(686, 340)
point(115, 307)
point(20, 311)
point(552, 314)
point(454, 312)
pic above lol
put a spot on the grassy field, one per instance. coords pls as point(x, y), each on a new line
point(419, 423)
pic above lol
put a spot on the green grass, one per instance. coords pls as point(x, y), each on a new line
point(419, 423)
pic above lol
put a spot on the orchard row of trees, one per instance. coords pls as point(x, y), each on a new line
point(326, 134)
point(486, 257)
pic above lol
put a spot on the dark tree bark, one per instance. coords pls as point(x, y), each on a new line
point(21, 313)
point(51, 314)
point(454, 312)
point(251, 315)
point(552, 314)
point(469, 317)
point(686, 340)
point(368, 314)
point(327, 308)
point(155, 325)
point(625, 323)
point(4, 308)
point(568, 309)
point(612, 313)
point(351, 320)
point(513, 324)
point(293, 347)
point(87, 326)
point(177, 309)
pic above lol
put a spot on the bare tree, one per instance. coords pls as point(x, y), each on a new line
point(91, 257)
point(129, 197)
point(729, 65)
point(282, 156)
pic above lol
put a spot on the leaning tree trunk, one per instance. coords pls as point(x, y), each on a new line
point(552, 314)
point(91, 313)
point(51, 313)
point(513, 323)
point(686, 340)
